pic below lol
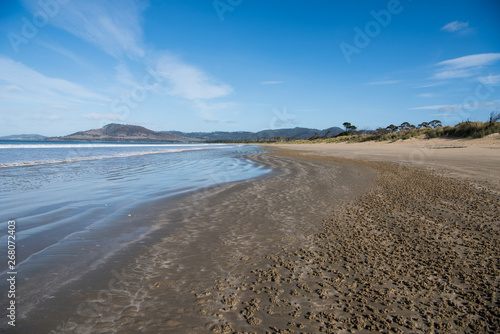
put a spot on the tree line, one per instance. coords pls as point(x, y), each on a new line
point(351, 129)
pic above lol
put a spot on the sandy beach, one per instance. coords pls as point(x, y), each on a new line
point(374, 237)
point(477, 160)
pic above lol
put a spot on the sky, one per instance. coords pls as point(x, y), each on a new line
point(241, 65)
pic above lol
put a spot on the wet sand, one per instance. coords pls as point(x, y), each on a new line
point(159, 284)
point(323, 244)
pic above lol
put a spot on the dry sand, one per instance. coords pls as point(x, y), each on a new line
point(477, 159)
point(324, 244)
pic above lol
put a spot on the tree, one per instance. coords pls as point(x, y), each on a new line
point(435, 123)
point(424, 125)
point(406, 126)
point(347, 126)
point(392, 128)
point(382, 131)
point(494, 117)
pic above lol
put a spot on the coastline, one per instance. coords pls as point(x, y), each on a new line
point(71, 216)
point(154, 284)
point(322, 243)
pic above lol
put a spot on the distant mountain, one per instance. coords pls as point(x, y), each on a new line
point(134, 133)
point(298, 133)
point(30, 137)
point(124, 133)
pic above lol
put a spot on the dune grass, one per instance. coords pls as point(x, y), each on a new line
point(466, 129)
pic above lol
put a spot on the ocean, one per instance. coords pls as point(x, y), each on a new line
point(72, 202)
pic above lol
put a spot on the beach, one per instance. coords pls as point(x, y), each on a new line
point(372, 237)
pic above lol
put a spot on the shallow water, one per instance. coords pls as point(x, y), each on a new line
point(71, 201)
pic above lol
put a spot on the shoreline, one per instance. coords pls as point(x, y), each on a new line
point(72, 216)
point(279, 254)
point(185, 252)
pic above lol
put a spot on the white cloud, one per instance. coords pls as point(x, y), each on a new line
point(490, 80)
point(124, 76)
point(59, 107)
point(113, 25)
point(481, 59)
point(434, 84)
point(305, 110)
point(427, 95)
point(457, 107)
point(65, 52)
point(39, 87)
point(14, 88)
point(466, 66)
point(436, 107)
point(188, 81)
point(47, 117)
point(207, 111)
point(271, 82)
point(453, 74)
point(388, 82)
point(111, 117)
point(455, 26)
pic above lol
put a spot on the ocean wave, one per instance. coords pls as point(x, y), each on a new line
point(101, 145)
point(123, 155)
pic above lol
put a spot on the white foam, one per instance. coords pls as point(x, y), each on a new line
point(124, 155)
point(6, 146)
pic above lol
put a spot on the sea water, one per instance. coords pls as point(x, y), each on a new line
point(69, 200)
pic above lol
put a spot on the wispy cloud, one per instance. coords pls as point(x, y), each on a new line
point(124, 76)
point(208, 111)
point(65, 52)
point(305, 110)
point(487, 105)
point(387, 82)
point(490, 79)
point(188, 81)
point(14, 89)
point(47, 117)
point(433, 84)
point(59, 107)
point(114, 26)
point(481, 59)
point(455, 26)
point(271, 82)
point(464, 67)
point(427, 95)
point(39, 87)
point(436, 107)
point(110, 117)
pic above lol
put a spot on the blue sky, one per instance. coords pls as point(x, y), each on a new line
point(205, 65)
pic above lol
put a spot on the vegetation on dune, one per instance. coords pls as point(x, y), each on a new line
point(432, 129)
point(405, 130)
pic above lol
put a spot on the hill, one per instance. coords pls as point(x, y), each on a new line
point(134, 133)
point(297, 133)
point(124, 133)
point(30, 137)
